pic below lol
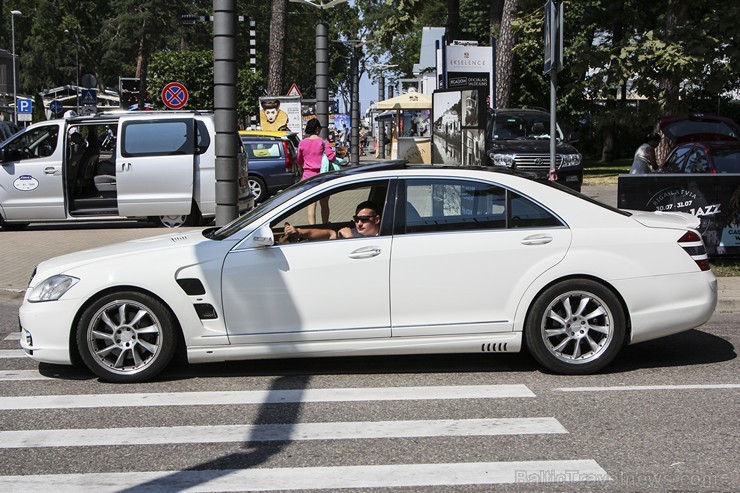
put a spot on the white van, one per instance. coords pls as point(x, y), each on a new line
point(159, 166)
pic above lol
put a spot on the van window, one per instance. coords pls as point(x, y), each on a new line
point(204, 138)
point(35, 143)
point(157, 138)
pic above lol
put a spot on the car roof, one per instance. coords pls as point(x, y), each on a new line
point(519, 111)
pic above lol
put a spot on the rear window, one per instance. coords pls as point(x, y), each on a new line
point(726, 160)
point(157, 138)
point(262, 150)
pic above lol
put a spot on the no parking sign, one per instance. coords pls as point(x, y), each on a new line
point(174, 95)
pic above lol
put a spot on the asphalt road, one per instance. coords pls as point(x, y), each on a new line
point(662, 418)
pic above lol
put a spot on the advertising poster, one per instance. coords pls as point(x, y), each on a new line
point(713, 198)
point(469, 66)
point(281, 113)
point(458, 126)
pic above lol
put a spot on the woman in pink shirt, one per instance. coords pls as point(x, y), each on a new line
point(310, 151)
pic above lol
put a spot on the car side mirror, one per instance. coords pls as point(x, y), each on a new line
point(263, 237)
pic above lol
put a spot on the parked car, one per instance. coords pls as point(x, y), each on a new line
point(520, 139)
point(272, 163)
point(465, 260)
point(151, 165)
point(704, 157)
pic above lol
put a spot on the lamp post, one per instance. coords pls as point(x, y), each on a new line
point(77, 64)
point(13, 13)
point(322, 63)
point(355, 98)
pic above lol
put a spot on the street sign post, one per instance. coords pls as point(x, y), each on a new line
point(174, 95)
point(89, 101)
point(56, 107)
point(553, 65)
point(294, 91)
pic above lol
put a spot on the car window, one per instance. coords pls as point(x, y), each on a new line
point(157, 138)
point(696, 162)
point(674, 163)
point(203, 137)
point(436, 205)
point(32, 144)
point(341, 204)
point(263, 150)
point(726, 160)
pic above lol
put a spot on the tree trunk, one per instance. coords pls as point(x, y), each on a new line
point(505, 56)
point(142, 62)
point(275, 75)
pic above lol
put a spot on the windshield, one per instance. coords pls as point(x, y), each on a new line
point(535, 126)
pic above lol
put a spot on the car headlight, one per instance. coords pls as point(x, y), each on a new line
point(52, 288)
point(571, 160)
point(502, 159)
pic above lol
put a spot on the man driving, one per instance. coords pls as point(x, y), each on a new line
point(366, 223)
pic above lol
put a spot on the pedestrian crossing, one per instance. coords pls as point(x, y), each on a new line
point(419, 470)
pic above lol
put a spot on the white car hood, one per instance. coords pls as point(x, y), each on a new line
point(661, 219)
point(63, 263)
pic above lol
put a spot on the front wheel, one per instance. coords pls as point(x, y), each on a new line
point(126, 337)
point(575, 327)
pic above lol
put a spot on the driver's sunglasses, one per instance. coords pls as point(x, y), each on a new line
point(363, 219)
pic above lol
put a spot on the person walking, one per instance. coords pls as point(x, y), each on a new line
point(310, 152)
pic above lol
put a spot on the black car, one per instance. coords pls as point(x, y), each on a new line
point(520, 138)
point(271, 163)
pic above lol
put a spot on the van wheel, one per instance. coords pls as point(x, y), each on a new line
point(257, 188)
point(192, 219)
point(11, 226)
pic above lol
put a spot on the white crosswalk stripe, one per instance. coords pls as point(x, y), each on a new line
point(265, 397)
point(12, 353)
point(21, 375)
point(279, 432)
point(308, 478)
point(13, 336)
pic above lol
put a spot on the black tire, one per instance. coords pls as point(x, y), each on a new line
point(575, 327)
point(258, 189)
point(126, 337)
point(12, 226)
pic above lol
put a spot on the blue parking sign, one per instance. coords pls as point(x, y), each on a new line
point(25, 105)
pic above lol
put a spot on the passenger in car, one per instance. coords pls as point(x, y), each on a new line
point(366, 223)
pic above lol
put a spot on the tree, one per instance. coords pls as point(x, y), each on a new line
point(277, 47)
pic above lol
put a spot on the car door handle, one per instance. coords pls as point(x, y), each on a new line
point(537, 240)
point(365, 252)
point(50, 170)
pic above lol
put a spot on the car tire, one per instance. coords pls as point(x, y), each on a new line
point(575, 327)
point(257, 188)
point(177, 221)
point(11, 226)
point(126, 337)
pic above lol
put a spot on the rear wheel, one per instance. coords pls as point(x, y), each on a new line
point(575, 327)
point(126, 337)
point(258, 189)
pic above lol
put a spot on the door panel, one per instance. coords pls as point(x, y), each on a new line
point(31, 179)
point(308, 291)
point(155, 167)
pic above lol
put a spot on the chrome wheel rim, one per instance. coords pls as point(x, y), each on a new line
point(577, 327)
point(255, 188)
point(172, 221)
point(124, 337)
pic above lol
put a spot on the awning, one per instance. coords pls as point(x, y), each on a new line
point(408, 101)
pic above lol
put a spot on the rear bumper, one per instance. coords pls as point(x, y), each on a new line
point(656, 311)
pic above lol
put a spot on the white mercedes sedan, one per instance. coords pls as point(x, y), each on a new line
point(379, 260)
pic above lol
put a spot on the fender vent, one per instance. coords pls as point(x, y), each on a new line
point(192, 287)
point(494, 347)
point(178, 238)
point(205, 311)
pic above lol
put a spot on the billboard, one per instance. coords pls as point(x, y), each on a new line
point(713, 198)
point(281, 113)
point(459, 126)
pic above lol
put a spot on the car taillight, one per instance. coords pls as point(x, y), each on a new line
point(692, 244)
point(288, 160)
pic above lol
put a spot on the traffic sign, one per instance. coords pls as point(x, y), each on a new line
point(56, 106)
point(88, 97)
point(174, 95)
point(294, 91)
point(25, 105)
